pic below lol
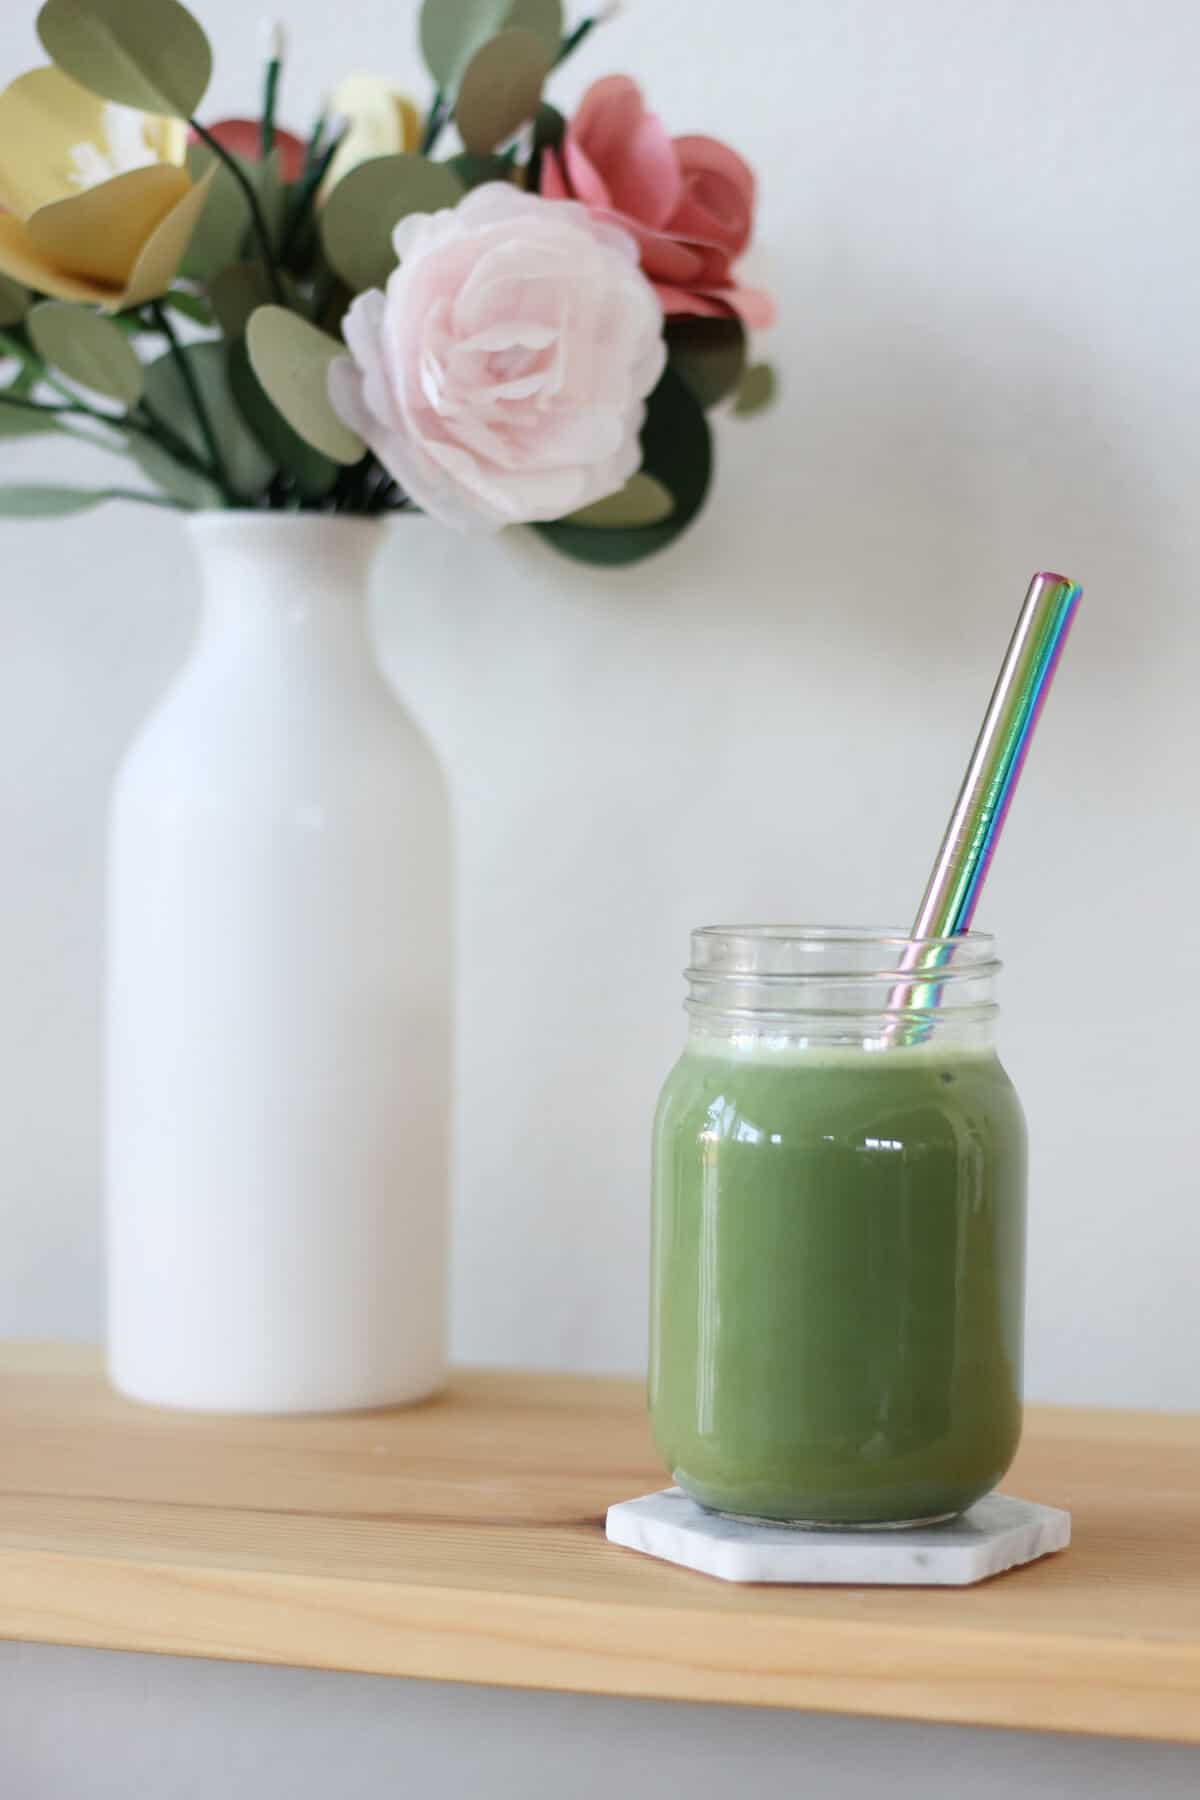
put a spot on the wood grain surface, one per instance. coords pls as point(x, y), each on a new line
point(463, 1540)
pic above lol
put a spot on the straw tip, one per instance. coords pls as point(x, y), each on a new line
point(1049, 575)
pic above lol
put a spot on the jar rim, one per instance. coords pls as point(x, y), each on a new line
point(795, 960)
point(877, 987)
point(981, 942)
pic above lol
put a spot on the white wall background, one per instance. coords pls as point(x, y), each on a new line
point(980, 224)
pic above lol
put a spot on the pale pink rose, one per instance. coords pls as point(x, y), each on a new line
point(689, 201)
point(501, 377)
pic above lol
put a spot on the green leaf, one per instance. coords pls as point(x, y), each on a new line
point(710, 354)
point(235, 293)
point(174, 478)
point(25, 421)
point(642, 501)
point(313, 473)
point(474, 170)
point(26, 378)
point(88, 348)
point(250, 469)
point(14, 301)
point(145, 53)
point(217, 239)
point(48, 502)
point(191, 306)
point(291, 359)
point(677, 452)
point(543, 17)
point(453, 30)
point(501, 88)
point(29, 370)
point(758, 389)
point(365, 207)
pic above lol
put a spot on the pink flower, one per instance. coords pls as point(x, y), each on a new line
point(689, 201)
point(242, 137)
point(501, 376)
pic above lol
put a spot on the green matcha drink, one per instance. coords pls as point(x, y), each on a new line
point(838, 1243)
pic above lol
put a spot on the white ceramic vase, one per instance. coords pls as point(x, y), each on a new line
point(278, 1068)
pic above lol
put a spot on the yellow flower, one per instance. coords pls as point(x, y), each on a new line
point(95, 202)
point(381, 122)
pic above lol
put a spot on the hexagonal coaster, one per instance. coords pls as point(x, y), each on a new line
point(998, 1533)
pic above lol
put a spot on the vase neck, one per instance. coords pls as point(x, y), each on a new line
point(295, 584)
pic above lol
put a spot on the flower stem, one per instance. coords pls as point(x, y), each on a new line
point(313, 147)
point(574, 38)
point(438, 116)
point(152, 427)
point(203, 418)
point(168, 439)
point(259, 223)
point(324, 288)
point(39, 406)
point(305, 193)
point(266, 129)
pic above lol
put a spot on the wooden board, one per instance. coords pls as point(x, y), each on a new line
point(463, 1540)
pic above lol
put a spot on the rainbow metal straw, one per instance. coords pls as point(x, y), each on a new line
point(983, 801)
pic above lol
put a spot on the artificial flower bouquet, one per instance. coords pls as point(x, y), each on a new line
point(527, 327)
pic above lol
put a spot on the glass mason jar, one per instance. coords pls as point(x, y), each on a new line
point(837, 1286)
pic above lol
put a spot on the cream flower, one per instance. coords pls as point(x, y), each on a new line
point(380, 121)
point(99, 207)
point(131, 140)
point(501, 378)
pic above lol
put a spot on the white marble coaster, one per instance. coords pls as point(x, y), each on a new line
point(996, 1534)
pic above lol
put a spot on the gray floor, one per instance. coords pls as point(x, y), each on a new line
point(101, 1725)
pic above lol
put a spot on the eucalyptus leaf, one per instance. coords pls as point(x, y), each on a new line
point(50, 502)
point(677, 452)
point(543, 17)
point(642, 501)
point(757, 391)
point(151, 54)
point(25, 421)
point(235, 293)
point(217, 239)
point(453, 30)
point(131, 322)
point(174, 478)
point(250, 469)
point(312, 473)
point(474, 170)
point(88, 349)
point(710, 354)
point(238, 290)
point(365, 207)
point(28, 372)
point(190, 306)
point(14, 301)
point(291, 359)
point(501, 88)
